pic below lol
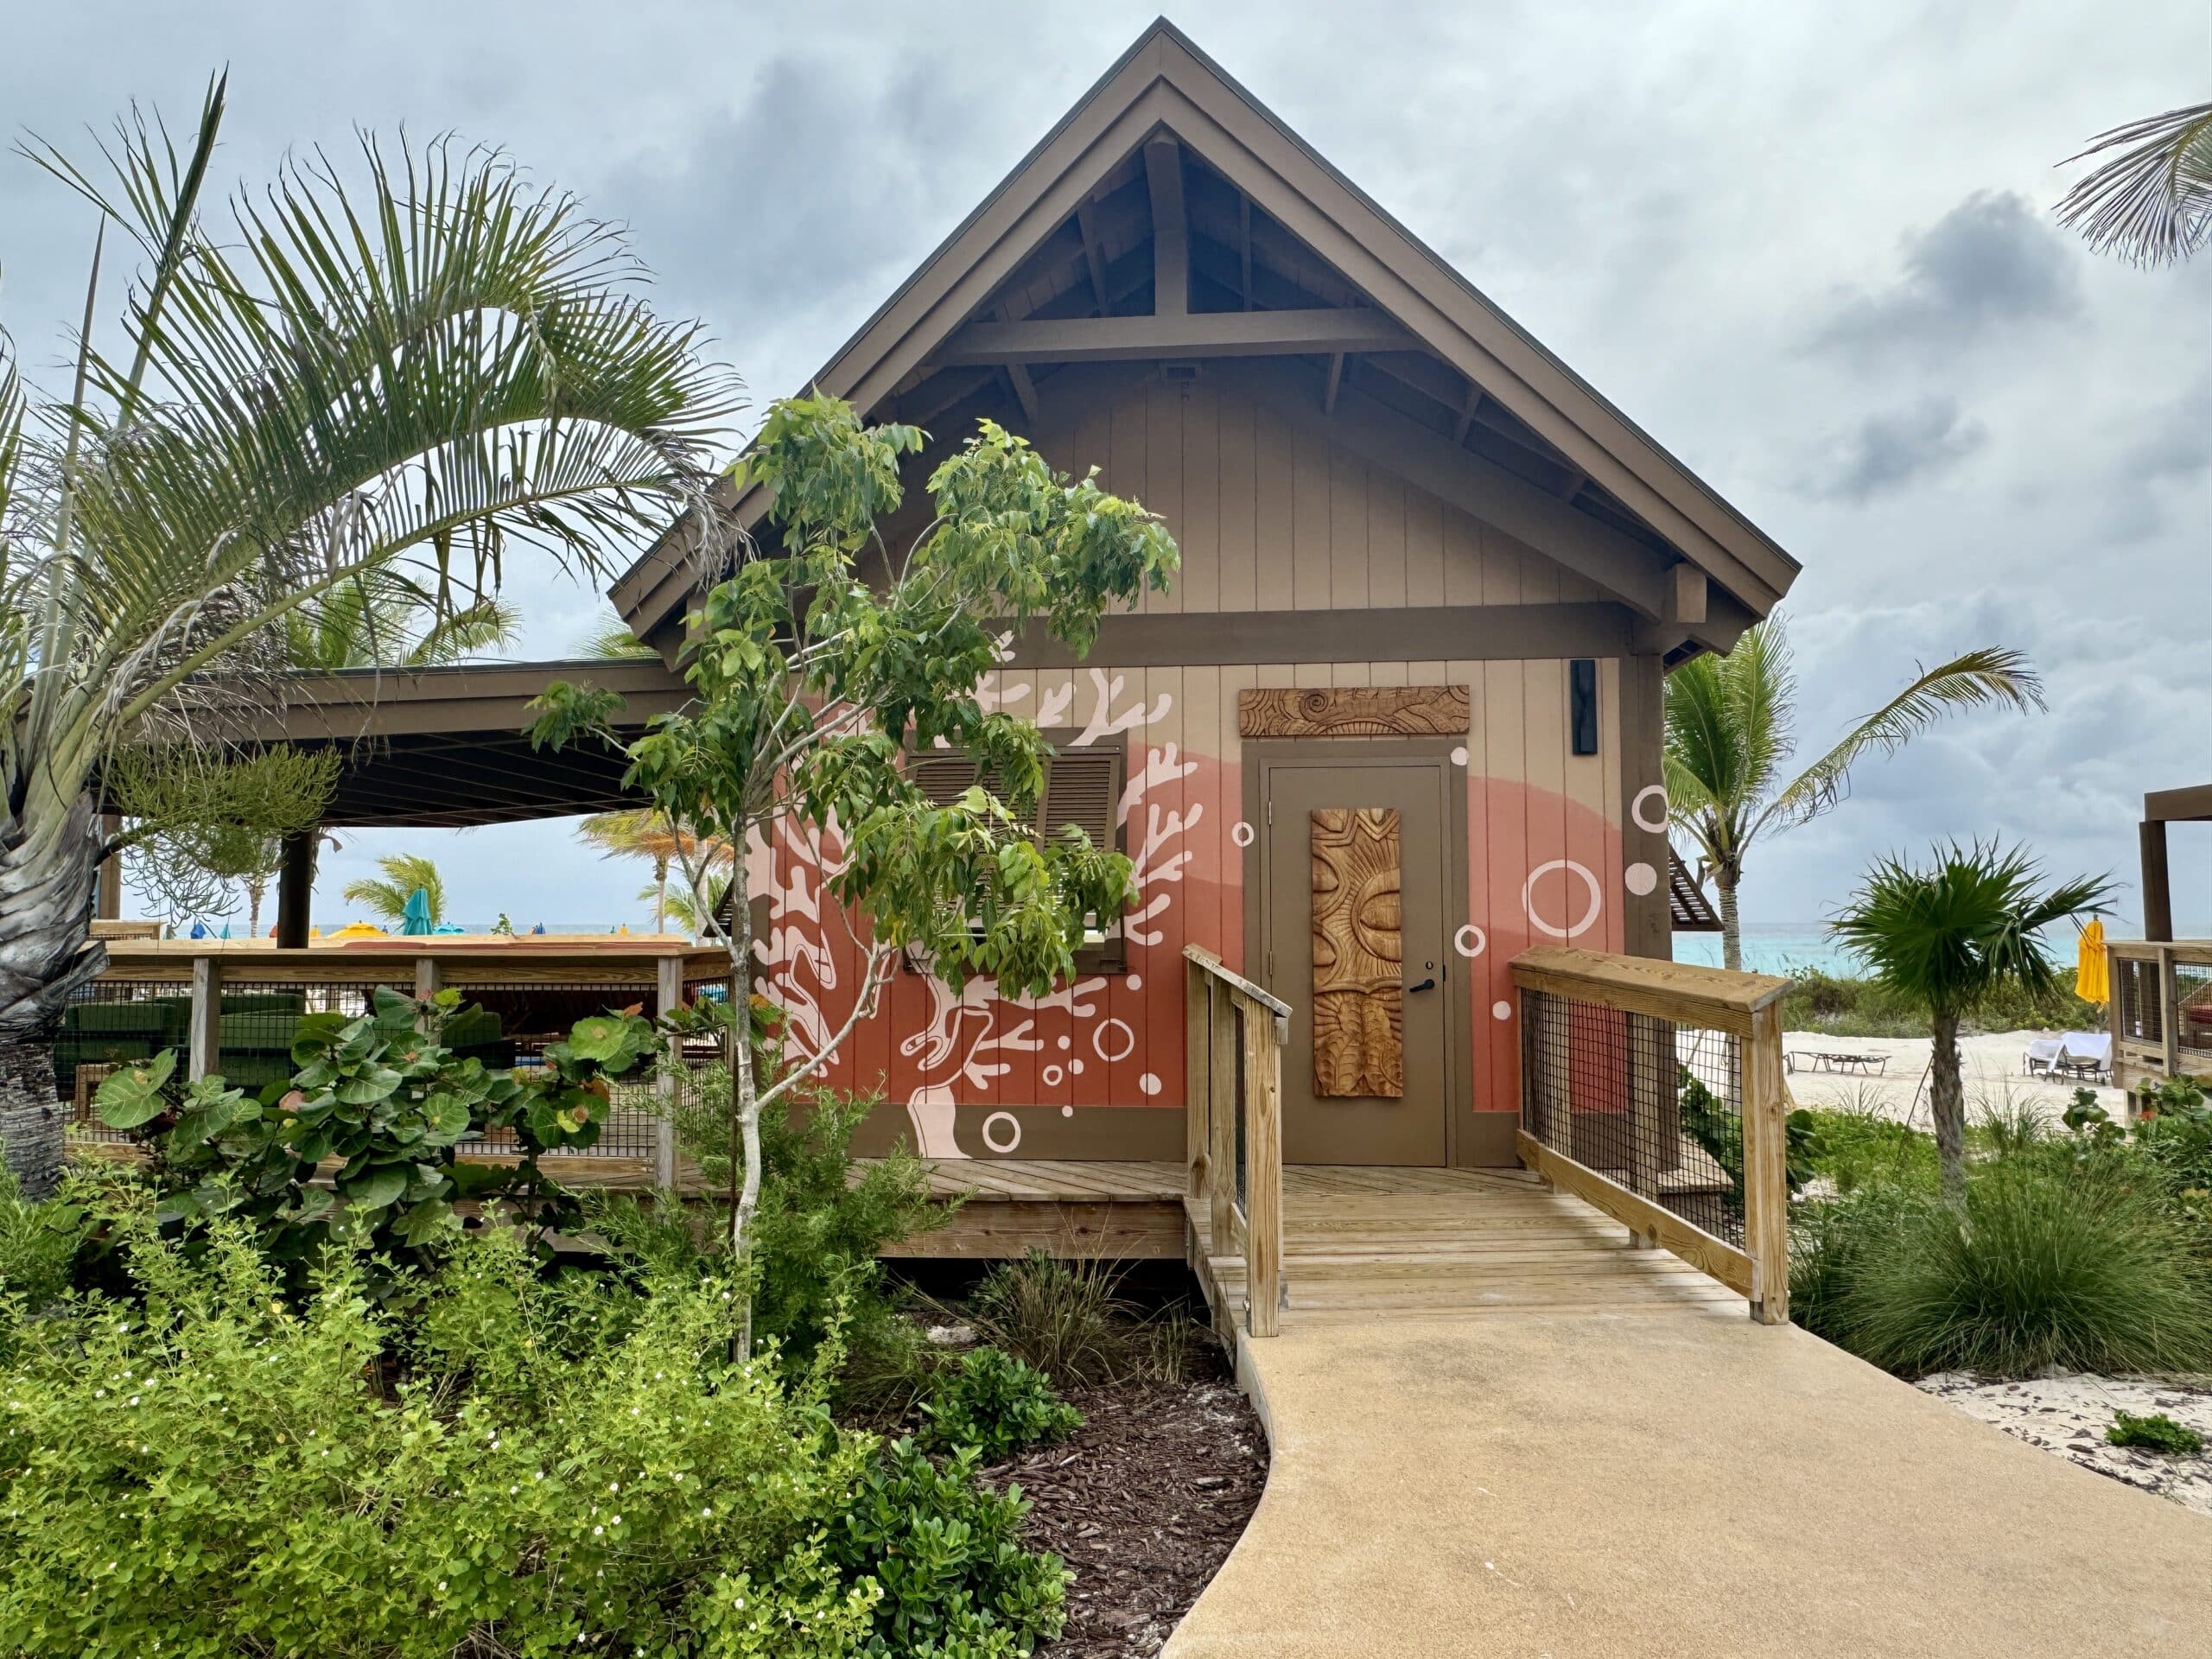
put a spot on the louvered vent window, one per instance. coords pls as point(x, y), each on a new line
point(1083, 786)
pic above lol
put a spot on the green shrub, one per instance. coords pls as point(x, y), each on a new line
point(2074, 1266)
point(1066, 1319)
point(534, 1466)
point(390, 1104)
point(38, 1245)
point(2154, 1432)
point(1860, 1147)
point(1829, 1243)
point(998, 1405)
point(947, 1552)
point(1843, 1005)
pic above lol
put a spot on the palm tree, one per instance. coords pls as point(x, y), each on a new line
point(404, 873)
point(683, 907)
point(1950, 936)
point(642, 833)
point(1730, 730)
point(416, 370)
point(2153, 202)
point(381, 619)
point(610, 637)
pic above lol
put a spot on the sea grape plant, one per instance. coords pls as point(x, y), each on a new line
point(380, 1096)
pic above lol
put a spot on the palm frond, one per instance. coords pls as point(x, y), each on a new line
point(1993, 676)
point(610, 637)
point(2153, 202)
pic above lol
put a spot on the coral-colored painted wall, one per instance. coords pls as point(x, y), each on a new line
point(1096, 1069)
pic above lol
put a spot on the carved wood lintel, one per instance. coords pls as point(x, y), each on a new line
point(1354, 711)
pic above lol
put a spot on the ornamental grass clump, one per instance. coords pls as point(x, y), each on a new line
point(2048, 1265)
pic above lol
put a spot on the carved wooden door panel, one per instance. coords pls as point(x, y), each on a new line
point(1359, 1046)
point(1356, 894)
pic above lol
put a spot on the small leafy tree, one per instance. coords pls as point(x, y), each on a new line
point(1950, 934)
point(817, 664)
point(196, 821)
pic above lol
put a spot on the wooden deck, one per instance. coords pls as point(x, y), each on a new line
point(1358, 1242)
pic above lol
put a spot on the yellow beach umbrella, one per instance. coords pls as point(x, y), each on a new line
point(2092, 977)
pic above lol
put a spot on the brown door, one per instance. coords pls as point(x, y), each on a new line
point(1353, 937)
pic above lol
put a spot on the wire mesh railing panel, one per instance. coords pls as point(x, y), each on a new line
point(2137, 998)
point(507, 1025)
point(1655, 1105)
point(2193, 1006)
point(113, 1022)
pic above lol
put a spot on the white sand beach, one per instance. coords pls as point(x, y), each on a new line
point(1899, 1087)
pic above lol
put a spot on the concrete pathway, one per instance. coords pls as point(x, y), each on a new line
point(1669, 1482)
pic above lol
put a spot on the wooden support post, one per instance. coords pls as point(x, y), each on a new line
point(669, 987)
point(426, 978)
point(294, 889)
point(204, 1056)
point(1766, 1169)
point(2169, 1005)
point(2158, 882)
point(1646, 1142)
point(1171, 258)
point(1197, 1063)
point(1221, 1090)
point(1262, 1173)
point(108, 883)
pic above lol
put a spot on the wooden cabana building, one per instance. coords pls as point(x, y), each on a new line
point(1431, 584)
point(1387, 759)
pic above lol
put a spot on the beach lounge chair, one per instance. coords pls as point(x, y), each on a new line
point(2084, 1054)
point(2042, 1055)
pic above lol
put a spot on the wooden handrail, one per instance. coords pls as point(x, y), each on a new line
point(1215, 1107)
point(1656, 997)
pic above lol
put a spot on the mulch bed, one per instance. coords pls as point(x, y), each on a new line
point(1143, 1503)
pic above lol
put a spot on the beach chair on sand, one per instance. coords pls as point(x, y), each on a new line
point(2084, 1055)
point(2042, 1055)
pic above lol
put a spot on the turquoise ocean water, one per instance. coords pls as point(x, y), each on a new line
point(1774, 948)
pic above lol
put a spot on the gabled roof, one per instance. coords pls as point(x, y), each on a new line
point(1168, 166)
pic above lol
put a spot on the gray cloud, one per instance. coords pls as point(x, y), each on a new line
point(1887, 451)
point(1991, 262)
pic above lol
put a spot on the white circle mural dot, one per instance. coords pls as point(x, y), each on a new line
point(1076, 1067)
point(1640, 878)
point(1240, 833)
point(1655, 793)
point(1067, 1111)
point(1459, 755)
point(1471, 941)
point(1528, 898)
point(1053, 1077)
point(1136, 982)
point(1500, 1010)
point(1148, 1083)
point(1119, 1030)
point(1067, 1042)
point(1012, 1131)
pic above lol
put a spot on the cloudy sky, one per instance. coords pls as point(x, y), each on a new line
point(1809, 247)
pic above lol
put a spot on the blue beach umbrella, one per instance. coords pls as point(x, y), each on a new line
point(415, 918)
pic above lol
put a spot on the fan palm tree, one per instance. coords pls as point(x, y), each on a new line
point(404, 873)
point(1949, 936)
point(2153, 202)
point(1730, 730)
point(411, 368)
point(642, 833)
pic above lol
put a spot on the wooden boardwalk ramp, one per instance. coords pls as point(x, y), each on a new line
point(1363, 1243)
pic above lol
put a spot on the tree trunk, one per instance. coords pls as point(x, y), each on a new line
point(46, 890)
point(253, 892)
point(1731, 931)
point(660, 895)
point(1947, 1097)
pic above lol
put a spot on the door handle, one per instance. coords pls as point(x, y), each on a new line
point(1428, 984)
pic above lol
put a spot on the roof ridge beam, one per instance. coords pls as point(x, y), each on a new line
point(1317, 332)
